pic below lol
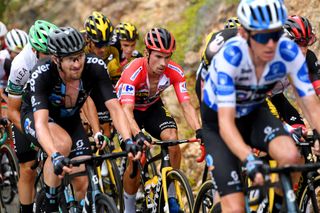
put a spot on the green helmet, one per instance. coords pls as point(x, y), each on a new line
point(38, 35)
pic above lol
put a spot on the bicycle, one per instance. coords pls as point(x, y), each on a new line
point(155, 188)
point(99, 201)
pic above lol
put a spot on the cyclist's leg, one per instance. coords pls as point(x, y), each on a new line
point(26, 157)
point(62, 143)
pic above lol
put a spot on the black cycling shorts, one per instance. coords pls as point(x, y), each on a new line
point(22, 146)
point(72, 125)
point(257, 129)
point(155, 119)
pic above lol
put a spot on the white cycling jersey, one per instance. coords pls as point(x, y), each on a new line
point(232, 80)
point(4, 54)
point(20, 71)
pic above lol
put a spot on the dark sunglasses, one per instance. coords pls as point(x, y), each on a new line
point(263, 38)
point(100, 44)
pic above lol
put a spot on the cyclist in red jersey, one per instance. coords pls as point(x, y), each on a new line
point(139, 90)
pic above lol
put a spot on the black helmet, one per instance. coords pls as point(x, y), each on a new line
point(65, 41)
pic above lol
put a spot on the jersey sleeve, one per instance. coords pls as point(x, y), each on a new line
point(126, 86)
point(314, 70)
point(297, 67)
point(179, 82)
point(18, 78)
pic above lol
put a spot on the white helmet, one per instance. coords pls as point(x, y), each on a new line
point(262, 14)
point(16, 39)
point(3, 29)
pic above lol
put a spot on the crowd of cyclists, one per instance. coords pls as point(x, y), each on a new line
point(58, 75)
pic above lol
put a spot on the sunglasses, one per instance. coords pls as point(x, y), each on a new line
point(264, 38)
point(100, 44)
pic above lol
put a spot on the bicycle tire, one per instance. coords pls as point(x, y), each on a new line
point(204, 200)
point(104, 203)
point(7, 151)
point(304, 201)
point(178, 177)
point(115, 188)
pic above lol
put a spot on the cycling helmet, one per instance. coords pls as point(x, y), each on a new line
point(38, 35)
point(65, 41)
point(232, 22)
point(16, 39)
point(160, 39)
point(3, 29)
point(127, 32)
point(262, 14)
point(98, 27)
point(299, 29)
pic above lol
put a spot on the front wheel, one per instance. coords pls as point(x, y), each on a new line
point(183, 190)
point(205, 198)
point(105, 204)
point(305, 201)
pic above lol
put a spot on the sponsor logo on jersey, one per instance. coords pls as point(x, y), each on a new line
point(183, 87)
point(28, 129)
point(40, 69)
point(288, 50)
point(277, 71)
point(233, 55)
point(94, 60)
point(127, 89)
point(135, 74)
point(175, 68)
point(225, 84)
point(303, 74)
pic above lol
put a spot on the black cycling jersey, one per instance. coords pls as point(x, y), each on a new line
point(313, 65)
point(46, 90)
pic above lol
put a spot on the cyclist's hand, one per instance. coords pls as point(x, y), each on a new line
point(199, 134)
point(99, 138)
point(60, 164)
point(133, 149)
point(142, 139)
point(4, 122)
point(254, 169)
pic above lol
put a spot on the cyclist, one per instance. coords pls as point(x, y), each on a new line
point(126, 36)
point(240, 75)
point(139, 89)
point(56, 91)
point(214, 42)
point(3, 32)
point(98, 32)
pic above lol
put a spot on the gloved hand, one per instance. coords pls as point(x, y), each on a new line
point(140, 138)
point(100, 140)
point(4, 122)
point(253, 165)
point(58, 161)
point(199, 134)
point(132, 147)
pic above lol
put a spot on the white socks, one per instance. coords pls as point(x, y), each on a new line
point(129, 203)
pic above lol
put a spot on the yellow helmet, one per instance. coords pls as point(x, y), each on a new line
point(232, 22)
point(127, 32)
point(98, 27)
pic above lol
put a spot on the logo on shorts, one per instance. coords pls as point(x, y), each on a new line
point(28, 129)
point(270, 133)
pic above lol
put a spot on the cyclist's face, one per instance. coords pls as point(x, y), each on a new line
point(127, 48)
point(1, 42)
point(72, 66)
point(97, 49)
point(158, 62)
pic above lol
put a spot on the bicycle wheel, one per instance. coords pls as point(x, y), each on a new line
point(304, 201)
point(184, 194)
point(204, 200)
point(112, 184)
point(105, 203)
point(10, 173)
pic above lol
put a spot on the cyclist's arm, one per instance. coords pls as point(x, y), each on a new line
point(230, 133)
point(90, 111)
point(14, 104)
point(190, 115)
point(44, 137)
point(128, 110)
point(119, 118)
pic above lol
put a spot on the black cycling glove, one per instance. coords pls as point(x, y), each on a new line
point(140, 138)
point(199, 134)
point(132, 147)
point(253, 165)
point(58, 161)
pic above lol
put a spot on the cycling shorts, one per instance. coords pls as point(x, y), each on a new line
point(72, 125)
point(155, 119)
point(257, 129)
point(22, 146)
